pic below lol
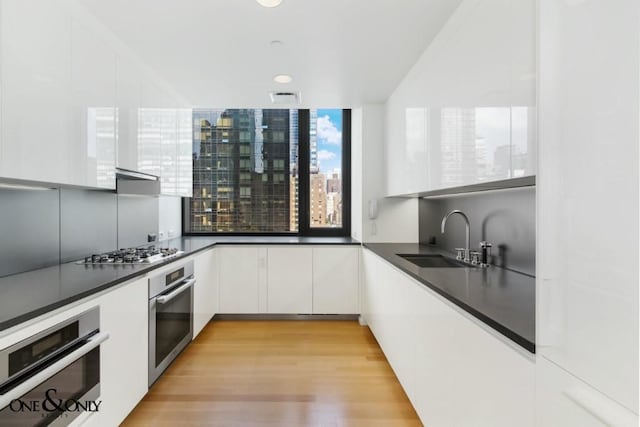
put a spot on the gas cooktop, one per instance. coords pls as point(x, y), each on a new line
point(146, 255)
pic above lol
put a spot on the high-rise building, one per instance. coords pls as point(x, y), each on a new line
point(318, 200)
point(241, 170)
point(293, 200)
point(334, 183)
point(314, 166)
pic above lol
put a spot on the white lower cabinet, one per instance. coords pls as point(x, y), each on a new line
point(335, 280)
point(454, 371)
point(289, 285)
point(205, 296)
point(124, 374)
point(240, 279)
point(563, 400)
point(292, 279)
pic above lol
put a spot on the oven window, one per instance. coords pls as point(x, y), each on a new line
point(79, 381)
point(173, 324)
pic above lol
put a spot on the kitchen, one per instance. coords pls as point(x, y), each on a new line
point(272, 212)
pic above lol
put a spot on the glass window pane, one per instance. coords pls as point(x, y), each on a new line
point(325, 168)
point(234, 154)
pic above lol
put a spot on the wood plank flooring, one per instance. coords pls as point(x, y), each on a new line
point(278, 373)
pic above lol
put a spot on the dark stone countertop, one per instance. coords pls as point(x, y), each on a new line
point(503, 299)
point(27, 295)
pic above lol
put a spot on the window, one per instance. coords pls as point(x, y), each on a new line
point(271, 171)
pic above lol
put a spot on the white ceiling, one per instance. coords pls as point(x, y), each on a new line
point(341, 53)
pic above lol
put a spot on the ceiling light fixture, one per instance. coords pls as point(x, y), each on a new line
point(282, 78)
point(269, 3)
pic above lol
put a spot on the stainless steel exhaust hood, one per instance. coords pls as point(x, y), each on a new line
point(137, 183)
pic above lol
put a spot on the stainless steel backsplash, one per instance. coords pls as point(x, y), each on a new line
point(505, 218)
point(40, 228)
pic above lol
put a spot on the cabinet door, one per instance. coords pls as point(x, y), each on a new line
point(289, 287)
point(185, 148)
point(124, 356)
point(128, 93)
point(562, 400)
point(205, 298)
point(93, 101)
point(36, 85)
point(587, 300)
point(239, 280)
point(335, 280)
point(444, 359)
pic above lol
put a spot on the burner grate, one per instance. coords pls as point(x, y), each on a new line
point(145, 255)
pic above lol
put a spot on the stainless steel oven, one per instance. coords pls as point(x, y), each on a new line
point(170, 316)
point(53, 376)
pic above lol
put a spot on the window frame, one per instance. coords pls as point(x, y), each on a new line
point(304, 188)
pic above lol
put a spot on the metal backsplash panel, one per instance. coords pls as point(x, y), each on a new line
point(505, 218)
point(88, 223)
point(137, 218)
point(29, 230)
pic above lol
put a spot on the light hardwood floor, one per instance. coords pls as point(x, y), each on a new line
point(278, 373)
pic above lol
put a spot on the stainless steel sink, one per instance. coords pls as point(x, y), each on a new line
point(432, 261)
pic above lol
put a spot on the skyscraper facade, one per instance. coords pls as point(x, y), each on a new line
point(241, 170)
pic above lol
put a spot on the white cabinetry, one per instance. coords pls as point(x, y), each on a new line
point(242, 272)
point(76, 102)
point(465, 112)
point(587, 307)
point(563, 400)
point(335, 280)
point(164, 143)
point(124, 356)
point(128, 94)
point(289, 285)
point(454, 371)
point(205, 298)
point(93, 112)
point(293, 279)
point(36, 90)
point(58, 103)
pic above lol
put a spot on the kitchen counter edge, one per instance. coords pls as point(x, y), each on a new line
point(191, 245)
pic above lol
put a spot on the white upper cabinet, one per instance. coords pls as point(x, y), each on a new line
point(58, 104)
point(93, 112)
point(128, 90)
point(76, 102)
point(465, 112)
point(587, 252)
point(36, 90)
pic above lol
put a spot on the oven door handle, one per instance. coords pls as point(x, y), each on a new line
point(163, 299)
point(43, 375)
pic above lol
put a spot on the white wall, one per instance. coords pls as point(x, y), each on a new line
point(397, 219)
point(356, 174)
point(170, 217)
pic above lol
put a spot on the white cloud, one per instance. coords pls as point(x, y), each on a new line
point(326, 155)
point(327, 131)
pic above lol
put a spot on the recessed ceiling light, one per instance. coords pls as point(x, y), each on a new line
point(269, 3)
point(283, 78)
point(276, 42)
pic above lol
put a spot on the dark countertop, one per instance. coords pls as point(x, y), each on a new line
point(25, 296)
point(503, 299)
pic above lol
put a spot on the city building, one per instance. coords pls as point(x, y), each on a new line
point(241, 166)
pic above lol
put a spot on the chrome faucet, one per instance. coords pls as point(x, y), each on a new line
point(467, 257)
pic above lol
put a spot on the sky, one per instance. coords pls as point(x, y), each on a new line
point(329, 137)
